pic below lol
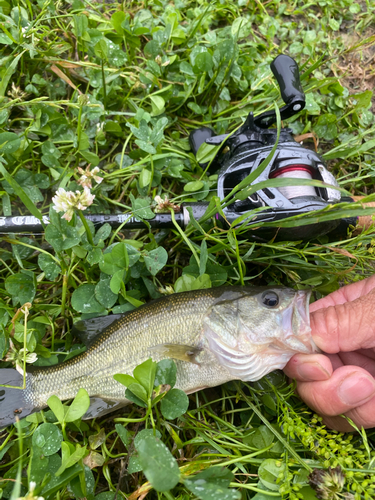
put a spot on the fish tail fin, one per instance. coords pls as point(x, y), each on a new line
point(12, 401)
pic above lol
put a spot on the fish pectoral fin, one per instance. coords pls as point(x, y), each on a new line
point(178, 351)
point(102, 406)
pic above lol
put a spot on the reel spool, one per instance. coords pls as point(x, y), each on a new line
point(298, 171)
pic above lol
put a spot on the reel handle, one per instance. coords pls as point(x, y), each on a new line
point(286, 72)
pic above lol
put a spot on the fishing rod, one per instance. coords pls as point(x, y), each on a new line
point(239, 155)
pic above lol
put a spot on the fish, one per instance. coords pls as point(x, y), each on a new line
point(214, 335)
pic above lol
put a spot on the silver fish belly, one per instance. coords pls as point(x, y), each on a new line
point(214, 335)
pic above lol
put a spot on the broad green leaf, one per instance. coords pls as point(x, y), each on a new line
point(5, 40)
point(140, 399)
point(9, 142)
point(193, 186)
point(39, 464)
point(113, 128)
point(94, 255)
point(166, 372)
point(362, 100)
point(143, 132)
point(109, 264)
point(334, 24)
point(264, 496)
point(187, 282)
point(57, 407)
point(107, 495)
point(241, 27)
point(84, 300)
point(158, 464)
point(48, 148)
point(49, 266)
point(48, 438)
point(79, 251)
point(116, 281)
point(141, 208)
point(116, 20)
point(60, 234)
point(145, 178)
point(102, 233)
point(69, 460)
point(55, 482)
point(97, 440)
point(174, 404)
point(157, 103)
point(261, 438)
point(269, 471)
point(145, 375)
point(145, 433)
point(4, 316)
point(124, 434)
point(155, 260)
point(145, 146)
point(212, 484)
point(203, 63)
point(104, 294)
point(134, 464)
point(80, 25)
point(101, 49)
point(30, 184)
point(90, 157)
point(78, 407)
point(326, 127)
point(124, 379)
point(83, 486)
point(139, 391)
point(21, 286)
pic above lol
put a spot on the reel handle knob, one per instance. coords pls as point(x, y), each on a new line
point(286, 72)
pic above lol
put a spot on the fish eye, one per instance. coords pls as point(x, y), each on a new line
point(270, 299)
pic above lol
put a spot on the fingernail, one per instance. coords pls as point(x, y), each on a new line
point(356, 388)
point(312, 371)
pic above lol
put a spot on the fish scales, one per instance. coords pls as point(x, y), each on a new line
point(214, 336)
point(174, 320)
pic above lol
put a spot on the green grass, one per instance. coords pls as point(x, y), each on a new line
point(121, 86)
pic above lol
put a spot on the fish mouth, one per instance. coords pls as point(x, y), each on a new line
point(301, 307)
point(300, 323)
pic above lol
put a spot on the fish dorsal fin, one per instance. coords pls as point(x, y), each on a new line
point(88, 330)
point(178, 351)
point(100, 406)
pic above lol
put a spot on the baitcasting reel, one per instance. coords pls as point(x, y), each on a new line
point(251, 144)
point(239, 155)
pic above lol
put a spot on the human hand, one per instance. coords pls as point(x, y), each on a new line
point(341, 381)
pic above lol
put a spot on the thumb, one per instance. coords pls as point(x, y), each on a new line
point(345, 327)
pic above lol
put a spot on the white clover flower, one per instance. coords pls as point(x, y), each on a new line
point(165, 205)
point(17, 357)
point(24, 30)
point(30, 495)
point(67, 201)
point(88, 175)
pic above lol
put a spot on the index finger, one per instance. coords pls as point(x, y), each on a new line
point(345, 294)
point(345, 327)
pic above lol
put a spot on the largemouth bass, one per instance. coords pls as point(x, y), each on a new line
point(215, 335)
